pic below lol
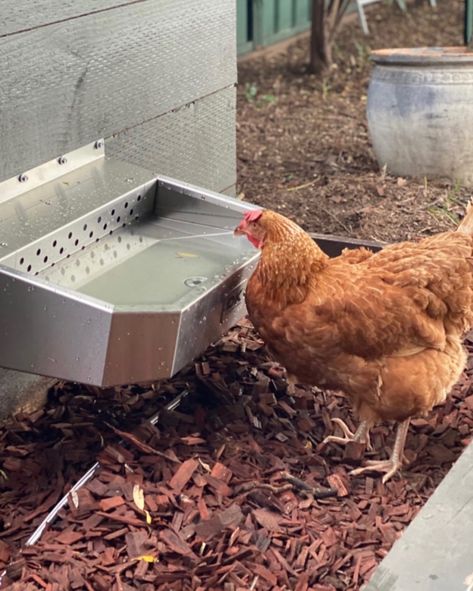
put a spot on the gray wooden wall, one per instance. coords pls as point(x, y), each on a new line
point(156, 78)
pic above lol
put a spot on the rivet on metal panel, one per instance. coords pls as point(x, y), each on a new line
point(62, 160)
point(98, 144)
point(22, 178)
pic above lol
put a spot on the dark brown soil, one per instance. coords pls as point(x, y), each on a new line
point(303, 146)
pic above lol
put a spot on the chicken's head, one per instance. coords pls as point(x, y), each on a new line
point(251, 227)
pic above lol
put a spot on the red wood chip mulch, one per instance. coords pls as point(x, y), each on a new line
point(231, 491)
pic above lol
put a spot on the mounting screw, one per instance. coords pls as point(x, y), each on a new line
point(98, 144)
point(62, 160)
point(22, 178)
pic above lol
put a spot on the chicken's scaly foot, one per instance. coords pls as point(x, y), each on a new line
point(391, 466)
point(362, 434)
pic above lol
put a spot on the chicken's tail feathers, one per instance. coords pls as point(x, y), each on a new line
point(466, 225)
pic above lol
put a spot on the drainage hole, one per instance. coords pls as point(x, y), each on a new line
point(99, 219)
point(105, 226)
point(138, 198)
point(54, 243)
point(61, 250)
point(69, 235)
point(45, 260)
point(112, 212)
point(63, 271)
point(118, 219)
point(111, 232)
point(119, 239)
point(137, 217)
point(76, 242)
point(85, 227)
point(22, 260)
point(28, 268)
point(126, 204)
point(128, 247)
point(77, 262)
point(131, 211)
point(38, 252)
point(194, 281)
point(91, 234)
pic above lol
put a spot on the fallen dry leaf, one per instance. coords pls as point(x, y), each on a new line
point(139, 497)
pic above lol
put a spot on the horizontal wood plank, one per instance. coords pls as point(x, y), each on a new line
point(195, 143)
point(22, 15)
point(66, 84)
point(434, 553)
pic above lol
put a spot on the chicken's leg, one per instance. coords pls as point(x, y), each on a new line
point(392, 465)
point(362, 434)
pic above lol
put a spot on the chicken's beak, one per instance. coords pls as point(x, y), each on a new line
point(239, 230)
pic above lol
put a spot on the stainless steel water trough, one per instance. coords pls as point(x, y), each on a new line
point(112, 275)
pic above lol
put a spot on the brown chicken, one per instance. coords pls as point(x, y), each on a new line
point(386, 329)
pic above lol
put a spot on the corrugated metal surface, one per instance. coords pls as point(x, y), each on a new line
point(100, 74)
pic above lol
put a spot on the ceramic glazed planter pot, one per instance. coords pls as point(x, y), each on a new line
point(420, 112)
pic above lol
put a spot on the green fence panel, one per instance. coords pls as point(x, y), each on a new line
point(302, 14)
point(468, 25)
point(244, 26)
point(284, 17)
point(263, 22)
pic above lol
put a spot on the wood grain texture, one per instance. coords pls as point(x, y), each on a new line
point(21, 15)
point(65, 84)
point(434, 553)
point(195, 143)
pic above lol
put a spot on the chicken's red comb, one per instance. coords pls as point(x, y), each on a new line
point(252, 216)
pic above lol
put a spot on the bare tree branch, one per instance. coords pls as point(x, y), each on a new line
point(326, 21)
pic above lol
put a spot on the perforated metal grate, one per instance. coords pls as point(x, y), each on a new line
point(47, 252)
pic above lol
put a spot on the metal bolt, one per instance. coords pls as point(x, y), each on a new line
point(98, 144)
point(62, 160)
point(22, 178)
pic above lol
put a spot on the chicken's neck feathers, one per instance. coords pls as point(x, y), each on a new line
point(289, 263)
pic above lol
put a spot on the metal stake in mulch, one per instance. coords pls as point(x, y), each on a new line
point(91, 472)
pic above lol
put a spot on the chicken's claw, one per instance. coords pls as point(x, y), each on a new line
point(389, 466)
point(392, 465)
point(362, 434)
